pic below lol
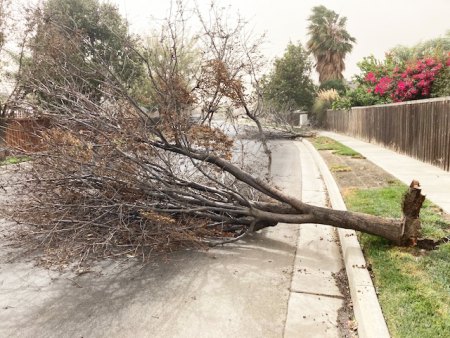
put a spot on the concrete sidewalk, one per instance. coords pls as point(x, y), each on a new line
point(315, 299)
point(435, 182)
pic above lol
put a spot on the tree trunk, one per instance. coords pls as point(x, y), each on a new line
point(402, 232)
point(412, 202)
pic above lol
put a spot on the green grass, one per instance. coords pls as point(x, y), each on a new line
point(413, 286)
point(340, 168)
point(14, 160)
point(325, 143)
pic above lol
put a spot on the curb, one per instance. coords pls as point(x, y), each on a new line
point(371, 323)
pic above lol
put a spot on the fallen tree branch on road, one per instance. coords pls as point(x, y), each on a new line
point(275, 134)
point(113, 180)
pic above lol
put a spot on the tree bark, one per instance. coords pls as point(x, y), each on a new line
point(412, 203)
point(402, 232)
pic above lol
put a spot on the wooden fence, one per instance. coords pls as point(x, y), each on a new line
point(21, 133)
point(420, 129)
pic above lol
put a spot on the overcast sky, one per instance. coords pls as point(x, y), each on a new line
point(377, 25)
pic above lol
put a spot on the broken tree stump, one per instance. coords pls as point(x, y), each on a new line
point(412, 203)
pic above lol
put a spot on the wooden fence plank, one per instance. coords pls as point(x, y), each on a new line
point(22, 133)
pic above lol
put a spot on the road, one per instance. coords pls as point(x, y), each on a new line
point(273, 284)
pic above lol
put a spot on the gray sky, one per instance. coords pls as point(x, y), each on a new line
point(378, 25)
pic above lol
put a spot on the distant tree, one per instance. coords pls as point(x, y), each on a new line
point(290, 84)
point(329, 43)
point(80, 32)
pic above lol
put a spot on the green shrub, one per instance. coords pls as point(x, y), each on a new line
point(441, 86)
point(359, 97)
point(338, 85)
point(323, 101)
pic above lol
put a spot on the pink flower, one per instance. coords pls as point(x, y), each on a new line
point(419, 66)
point(370, 77)
point(438, 67)
point(429, 61)
point(383, 85)
point(421, 83)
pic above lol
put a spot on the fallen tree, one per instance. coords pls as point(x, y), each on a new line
point(113, 179)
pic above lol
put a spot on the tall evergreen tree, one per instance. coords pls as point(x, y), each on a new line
point(289, 84)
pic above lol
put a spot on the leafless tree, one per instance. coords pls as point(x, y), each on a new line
point(113, 179)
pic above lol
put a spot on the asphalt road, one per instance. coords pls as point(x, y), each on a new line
point(239, 290)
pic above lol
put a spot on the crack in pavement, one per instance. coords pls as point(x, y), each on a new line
point(317, 294)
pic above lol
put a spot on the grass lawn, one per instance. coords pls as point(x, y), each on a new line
point(413, 285)
point(14, 160)
point(325, 143)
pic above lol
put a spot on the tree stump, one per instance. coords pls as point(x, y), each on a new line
point(412, 203)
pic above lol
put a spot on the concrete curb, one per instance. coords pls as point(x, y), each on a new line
point(371, 323)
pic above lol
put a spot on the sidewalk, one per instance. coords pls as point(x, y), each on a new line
point(435, 182)
point(315, 299)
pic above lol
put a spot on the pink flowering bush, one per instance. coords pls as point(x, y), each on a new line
point(383, 86)
point(371, 78)
point(393, 80)
point(415, 81)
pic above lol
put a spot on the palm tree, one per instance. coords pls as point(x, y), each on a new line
point(329, 43)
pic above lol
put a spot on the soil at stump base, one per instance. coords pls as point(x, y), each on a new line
point(356, 173)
